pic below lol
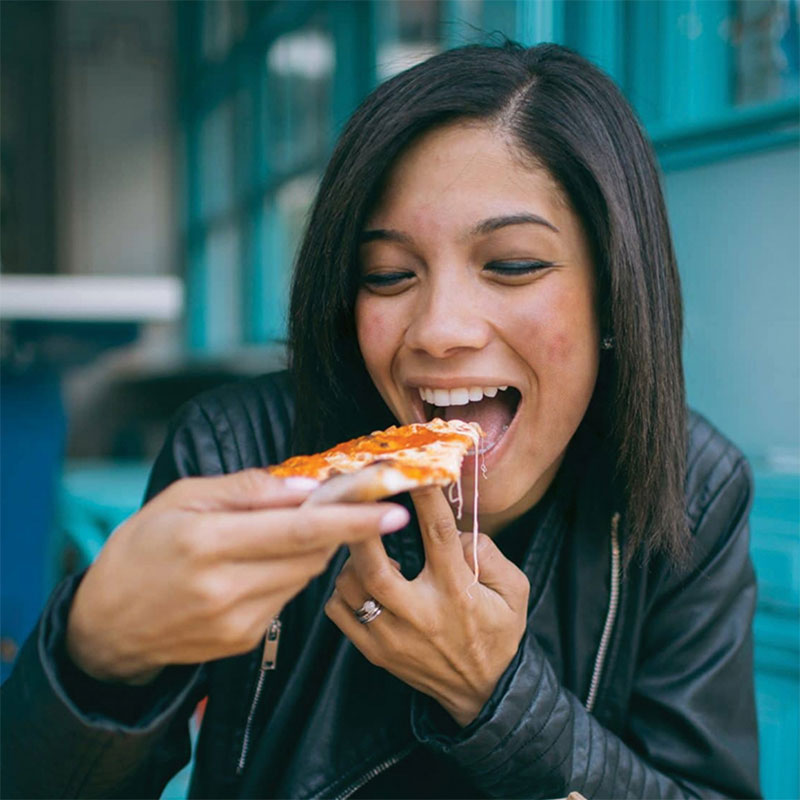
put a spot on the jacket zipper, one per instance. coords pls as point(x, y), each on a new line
point(374, 772)
point(613, 602)
point(269, 658)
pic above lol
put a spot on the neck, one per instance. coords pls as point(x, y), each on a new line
point(492, 522)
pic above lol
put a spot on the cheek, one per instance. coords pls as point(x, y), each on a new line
point(375, 334)
point(562, 327)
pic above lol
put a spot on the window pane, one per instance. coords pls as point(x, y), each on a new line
point(766, 36)
point(297, 98)
point(223, 287)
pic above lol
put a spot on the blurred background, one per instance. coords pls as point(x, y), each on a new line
point(157, 163)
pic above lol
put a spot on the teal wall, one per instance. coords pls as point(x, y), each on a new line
point(737, 236)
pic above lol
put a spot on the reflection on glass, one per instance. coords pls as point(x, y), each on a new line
point(297, 98)
point(766, 36)
point(224, 23)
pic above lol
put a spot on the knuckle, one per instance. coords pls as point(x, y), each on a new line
point(186, 539)
point(441, 527)
point(376, 658)
point(429, 627)
point(330, 607)
point(211, 593)
point(254, 483)
point(376, 580)
point(522, 584)
point(305, 531)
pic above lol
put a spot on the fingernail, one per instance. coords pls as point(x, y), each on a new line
point(394, 519)
point(300, 484)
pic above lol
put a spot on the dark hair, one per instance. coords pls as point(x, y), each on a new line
point(569, 116)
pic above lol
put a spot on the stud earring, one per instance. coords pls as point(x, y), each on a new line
point(607, 343)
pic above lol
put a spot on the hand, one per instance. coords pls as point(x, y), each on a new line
point(198, 573)
point(441, 633)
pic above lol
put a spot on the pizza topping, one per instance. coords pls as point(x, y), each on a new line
point(428, 453)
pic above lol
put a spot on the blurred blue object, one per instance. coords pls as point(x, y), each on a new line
point(96, 496)
point(33, 431)
point(775, 530)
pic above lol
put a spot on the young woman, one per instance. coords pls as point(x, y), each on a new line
point(490, 229)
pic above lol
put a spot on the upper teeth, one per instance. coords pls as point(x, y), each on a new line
point(458, 397)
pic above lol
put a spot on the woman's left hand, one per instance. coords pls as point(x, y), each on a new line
point(441, 633)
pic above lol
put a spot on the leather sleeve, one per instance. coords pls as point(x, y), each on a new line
point(65, 734)
point(691, 723)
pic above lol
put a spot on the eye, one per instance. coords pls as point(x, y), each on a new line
point(387, 282)
point(514, 269)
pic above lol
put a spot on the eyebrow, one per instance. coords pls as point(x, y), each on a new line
point(495, 223)
point(482, 228)
point(385, 235)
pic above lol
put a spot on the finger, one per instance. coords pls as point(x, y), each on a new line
point(245, 490)
point(376, 575)
point(495, 571)
point(369, 637)
point(350, 588)
point(284, 532)
point(440, 537)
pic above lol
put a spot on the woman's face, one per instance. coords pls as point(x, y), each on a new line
point(476, 275)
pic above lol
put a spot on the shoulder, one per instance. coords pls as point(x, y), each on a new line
point(231, 427)
point(718, 496)
point(719, 482)
point(255, 402)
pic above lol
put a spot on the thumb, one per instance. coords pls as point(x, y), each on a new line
point(247, 490)
point(495, 571)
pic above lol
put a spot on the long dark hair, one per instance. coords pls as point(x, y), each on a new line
point(569, 116)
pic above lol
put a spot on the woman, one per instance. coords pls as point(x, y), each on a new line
point(491, 218)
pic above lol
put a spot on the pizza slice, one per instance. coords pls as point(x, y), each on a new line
point(387, 462)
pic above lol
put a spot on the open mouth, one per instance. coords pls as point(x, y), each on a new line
point(492, 407)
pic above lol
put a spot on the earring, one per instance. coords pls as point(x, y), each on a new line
point(607, 343)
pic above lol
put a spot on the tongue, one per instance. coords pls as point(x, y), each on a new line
point(493, 414)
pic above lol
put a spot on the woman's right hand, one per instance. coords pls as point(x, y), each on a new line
point(198, 573)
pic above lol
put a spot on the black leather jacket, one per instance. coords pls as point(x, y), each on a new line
point(625, 685)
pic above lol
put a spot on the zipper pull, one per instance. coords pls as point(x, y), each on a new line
point(270, 655)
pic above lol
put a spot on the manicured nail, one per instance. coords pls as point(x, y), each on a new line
point(394, 519)
point(300, 484)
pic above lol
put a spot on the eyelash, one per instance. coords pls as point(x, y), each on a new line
point(517, 267)
point(380, 280)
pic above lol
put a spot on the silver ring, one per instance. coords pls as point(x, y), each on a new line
point(368, 612)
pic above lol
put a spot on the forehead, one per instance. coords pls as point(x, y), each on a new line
point(470, 168)
point(457, 175)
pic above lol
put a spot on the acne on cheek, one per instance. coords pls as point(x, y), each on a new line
point(559, 348)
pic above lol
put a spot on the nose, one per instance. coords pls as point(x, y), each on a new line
point(446, 319)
